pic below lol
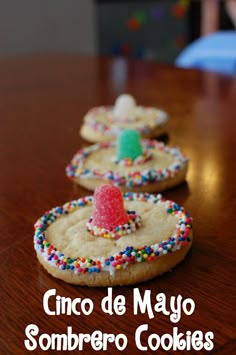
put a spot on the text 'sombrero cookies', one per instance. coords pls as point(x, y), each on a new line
point(131, 164)
point(110, 239)
point(105, 122)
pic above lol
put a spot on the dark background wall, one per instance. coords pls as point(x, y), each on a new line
point(43, 25)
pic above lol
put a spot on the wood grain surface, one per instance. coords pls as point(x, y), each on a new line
point(42, 101)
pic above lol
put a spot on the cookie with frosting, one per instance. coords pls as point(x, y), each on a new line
point(106, 122)
point(112, 239)
point(130, 163)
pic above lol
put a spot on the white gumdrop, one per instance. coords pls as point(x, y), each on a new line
point(125, 106)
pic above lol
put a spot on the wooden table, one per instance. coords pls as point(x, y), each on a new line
point(42, 101)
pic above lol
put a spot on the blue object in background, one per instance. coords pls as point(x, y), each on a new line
point(215, 52)
point(140, 53)
point(116, 50)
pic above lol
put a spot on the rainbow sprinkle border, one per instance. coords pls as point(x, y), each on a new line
point(110, 130)
point(141, 159)
point(131, 225)
point(125, 257)
point(132, 179)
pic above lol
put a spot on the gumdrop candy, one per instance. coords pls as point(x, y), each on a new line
point(125, 106)
point(108, 207)
point(129, 145)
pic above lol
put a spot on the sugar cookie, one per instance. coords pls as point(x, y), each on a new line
point(112, 239)
point(131, 164)
point(105, 123)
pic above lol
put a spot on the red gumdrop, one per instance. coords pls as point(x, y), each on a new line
point(108, 207)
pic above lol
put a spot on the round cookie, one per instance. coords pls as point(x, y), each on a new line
point(110, 239)
point(105, 123)
point(131, 164)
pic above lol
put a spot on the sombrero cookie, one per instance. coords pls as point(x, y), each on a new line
point(105, 122)
point(112, 239)
point(130, 163)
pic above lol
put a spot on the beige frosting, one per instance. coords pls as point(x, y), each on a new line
point(125, 106)
point(69, 235)
point(144, 116)
point(104, 160)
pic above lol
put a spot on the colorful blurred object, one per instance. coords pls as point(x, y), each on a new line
point(136, 21)
point(147, 30)
point(179, 11)
point(125, 49)
point(157, 12)
point(215, 52)
point(134, 24)
point(140, 52)
point(140, 16)
point(184, 3)
point(116, 48)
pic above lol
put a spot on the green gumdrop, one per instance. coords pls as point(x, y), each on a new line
point(129, 145)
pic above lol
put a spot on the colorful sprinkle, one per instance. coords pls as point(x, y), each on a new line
point(141, 159)
point(123, 258)
point(132, 225)
point(144, 127)
point(131, 179)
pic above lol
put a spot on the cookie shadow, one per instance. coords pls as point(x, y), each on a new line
point(164, 137)
point(179, 193)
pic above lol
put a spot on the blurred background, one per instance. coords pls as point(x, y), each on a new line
point(147, 30)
